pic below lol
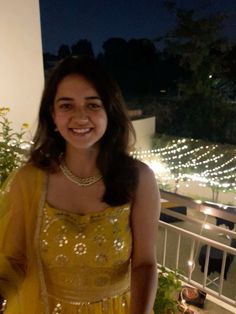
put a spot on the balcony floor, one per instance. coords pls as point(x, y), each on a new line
point(211, 308)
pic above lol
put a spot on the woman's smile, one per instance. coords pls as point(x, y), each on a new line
point(80, 131)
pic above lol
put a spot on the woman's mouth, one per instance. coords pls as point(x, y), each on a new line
point(81, 131)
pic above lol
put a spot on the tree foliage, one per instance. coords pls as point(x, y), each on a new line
point(133, 63)
point(82, 48)
point(203, 108)
point(198, 43)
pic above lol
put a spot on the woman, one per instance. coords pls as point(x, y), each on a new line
point(80, 218)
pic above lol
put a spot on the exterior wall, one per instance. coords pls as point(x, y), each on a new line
point(145, 129)
point(21, 62)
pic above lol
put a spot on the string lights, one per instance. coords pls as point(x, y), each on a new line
point(189, 160)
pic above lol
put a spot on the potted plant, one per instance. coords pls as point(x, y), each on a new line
point(169, 285)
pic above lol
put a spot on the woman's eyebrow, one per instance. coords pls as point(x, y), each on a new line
point(64, 99)
point(93, 97)
point(71, 99)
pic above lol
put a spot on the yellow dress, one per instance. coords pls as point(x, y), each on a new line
point(53, 261)
point(86, 260)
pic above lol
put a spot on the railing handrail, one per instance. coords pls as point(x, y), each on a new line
point(201, 206)
point(200, 238)
point(196, 241)
point(198, 221)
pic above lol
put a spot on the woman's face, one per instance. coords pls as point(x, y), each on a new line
point(78, 113)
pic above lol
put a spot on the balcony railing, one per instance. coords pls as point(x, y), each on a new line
point(196, 256)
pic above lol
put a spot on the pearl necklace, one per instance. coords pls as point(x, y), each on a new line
point(78, 180)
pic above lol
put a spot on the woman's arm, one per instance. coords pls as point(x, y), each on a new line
point(145, 215)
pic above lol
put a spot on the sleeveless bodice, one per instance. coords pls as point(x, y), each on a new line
point(85, 258)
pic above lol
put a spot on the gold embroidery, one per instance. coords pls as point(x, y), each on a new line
point(80, 249)
point(101, 258)
point(118, 244)
point(57, 309)
point(86, 257)
point(61, 260)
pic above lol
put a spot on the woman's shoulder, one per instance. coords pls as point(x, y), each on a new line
point(24, 180)
point(138, 164)
point(28, 169)
point(28, 173)
point(144, 169)
point(147, 196)
point(147, 179)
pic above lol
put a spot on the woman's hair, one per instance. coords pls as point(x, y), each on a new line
point(119, 170)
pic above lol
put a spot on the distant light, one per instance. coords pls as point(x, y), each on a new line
point(207, 211)
point(190, 263)
point(162, 91)
point(210, 76)
point(158, 167)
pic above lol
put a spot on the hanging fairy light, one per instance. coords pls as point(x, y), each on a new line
point(207, 165)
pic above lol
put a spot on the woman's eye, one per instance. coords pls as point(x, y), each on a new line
point(94, 106)
point(65, 106)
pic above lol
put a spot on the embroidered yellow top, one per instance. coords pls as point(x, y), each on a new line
point(54, 261)
point(86, 260)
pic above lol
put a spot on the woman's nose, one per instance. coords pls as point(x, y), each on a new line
point(81, 114)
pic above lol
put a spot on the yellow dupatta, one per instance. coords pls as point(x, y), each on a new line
point(22, 197)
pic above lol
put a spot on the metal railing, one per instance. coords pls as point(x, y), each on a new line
point(180, 249)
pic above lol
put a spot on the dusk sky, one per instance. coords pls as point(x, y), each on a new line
point(66, 22)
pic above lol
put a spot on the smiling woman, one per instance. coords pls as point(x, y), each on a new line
point(78, 113)
point(78, 220)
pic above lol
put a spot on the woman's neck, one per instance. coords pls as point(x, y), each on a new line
point(82, 162)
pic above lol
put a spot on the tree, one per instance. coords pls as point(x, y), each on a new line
point(49, 61)
point(203, 85)
point(63, 51)
point(133, 64)
point(82, 48)
point(227, 85)
point(197, 42)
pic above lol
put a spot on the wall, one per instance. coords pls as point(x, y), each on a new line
point(145, 129)
point(21, 63)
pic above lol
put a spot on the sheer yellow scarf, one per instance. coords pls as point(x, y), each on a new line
point(20, 201)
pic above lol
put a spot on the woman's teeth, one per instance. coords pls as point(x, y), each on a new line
point(81, 131)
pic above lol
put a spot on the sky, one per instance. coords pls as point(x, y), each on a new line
point(66, 22)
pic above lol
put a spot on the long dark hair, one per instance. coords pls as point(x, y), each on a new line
point(119, 170)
